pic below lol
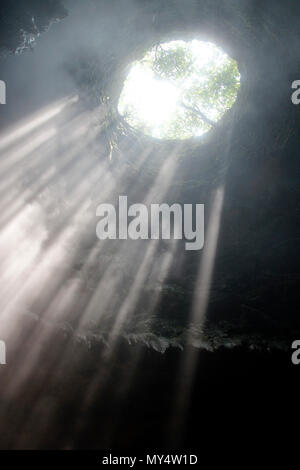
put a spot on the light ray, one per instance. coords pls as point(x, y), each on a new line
point(188, 364)
point(30, 124)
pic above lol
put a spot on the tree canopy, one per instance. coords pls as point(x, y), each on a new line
point(204, 82)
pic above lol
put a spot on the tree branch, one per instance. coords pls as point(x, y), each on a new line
point(199, 113)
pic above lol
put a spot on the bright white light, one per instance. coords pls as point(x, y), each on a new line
point(153, 100)
point(152, 103)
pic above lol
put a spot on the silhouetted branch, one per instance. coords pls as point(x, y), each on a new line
point(199, 113)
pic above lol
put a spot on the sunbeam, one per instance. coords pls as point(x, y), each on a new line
point(188, 365)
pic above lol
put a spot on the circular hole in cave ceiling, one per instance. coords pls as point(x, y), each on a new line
point(179, 89)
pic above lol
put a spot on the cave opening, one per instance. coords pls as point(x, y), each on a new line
point(179, 89)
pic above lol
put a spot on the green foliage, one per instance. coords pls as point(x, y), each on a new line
point(174, 63)
point(207, 86)
point(217, 90)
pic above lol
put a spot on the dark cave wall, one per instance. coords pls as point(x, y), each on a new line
point(22, 22)
point(253, 153)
